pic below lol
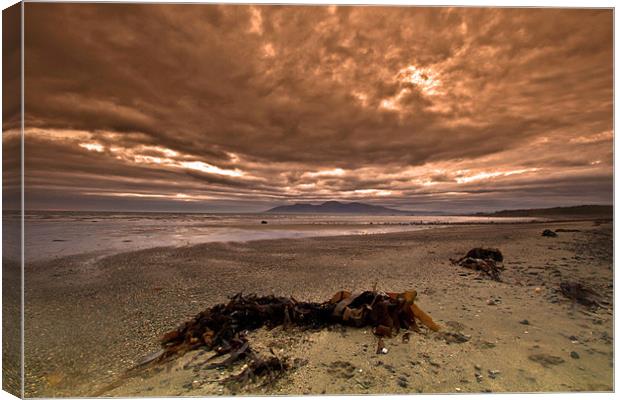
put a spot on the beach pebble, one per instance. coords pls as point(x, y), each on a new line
point(574, 354)
point(524, 322)
point(493, 373)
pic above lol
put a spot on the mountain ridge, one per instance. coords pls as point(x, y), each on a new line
point(588, 210)
point(336, 207)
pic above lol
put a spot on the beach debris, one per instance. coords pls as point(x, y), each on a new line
point(487, 260)
point(223, 328)
point(493, 373)
point(494, 302)
point(264, 222)
point(453, 337)
point(489, 267)
point(546, 360)
point(483, 253)
point(579, 293)
point(152, 356)
point(269, 369)
point(549, 233)
point(381, 349)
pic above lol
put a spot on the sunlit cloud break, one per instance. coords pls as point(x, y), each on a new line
point(431, 109)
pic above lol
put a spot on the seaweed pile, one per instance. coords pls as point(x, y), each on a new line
point(223, 328)
point(487, 260)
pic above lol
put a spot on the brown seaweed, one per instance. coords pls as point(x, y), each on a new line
point(487, 260)
point(222, 328)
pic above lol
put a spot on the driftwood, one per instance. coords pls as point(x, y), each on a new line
point(222, 328)
point(482, 259)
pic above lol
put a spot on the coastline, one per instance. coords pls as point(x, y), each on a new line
point(88, 320)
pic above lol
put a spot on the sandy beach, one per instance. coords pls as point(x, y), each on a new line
point(90, 318)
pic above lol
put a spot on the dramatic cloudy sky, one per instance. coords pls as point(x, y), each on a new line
point(240, 108)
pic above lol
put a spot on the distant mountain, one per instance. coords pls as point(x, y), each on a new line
point(336, 207)
point(585, 211)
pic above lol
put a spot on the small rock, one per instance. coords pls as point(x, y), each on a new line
point(493, 373)
point(453, 337)
point(549, 233)
point(574, 354)
point(390, 368)
point(524, 322)
point(381, 349)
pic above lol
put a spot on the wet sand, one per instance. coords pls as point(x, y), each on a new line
point(90, 319)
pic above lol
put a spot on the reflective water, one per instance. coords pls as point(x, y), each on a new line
point(54, 234)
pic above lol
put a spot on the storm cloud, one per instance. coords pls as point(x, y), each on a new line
point(239, 108)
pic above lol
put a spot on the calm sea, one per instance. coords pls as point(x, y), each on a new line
point(55, 234)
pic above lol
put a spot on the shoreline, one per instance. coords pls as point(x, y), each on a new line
point(296, 231)
point(120, 304)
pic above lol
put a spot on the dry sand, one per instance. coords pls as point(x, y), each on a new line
point(89, 319)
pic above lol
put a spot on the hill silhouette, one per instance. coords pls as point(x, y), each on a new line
point(336, 207)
